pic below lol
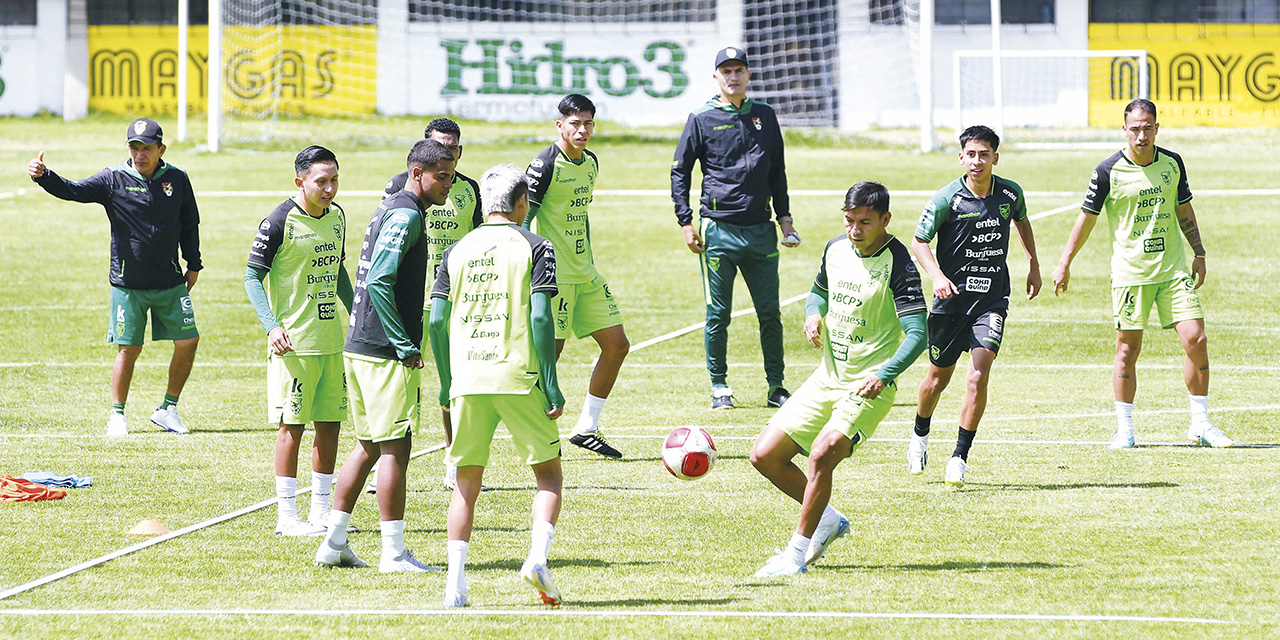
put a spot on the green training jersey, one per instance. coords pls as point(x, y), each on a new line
point(865, 295)
point(561, 189)
point(446, 223)
point(302, 256)
point(1140, 203)
point(488, 277)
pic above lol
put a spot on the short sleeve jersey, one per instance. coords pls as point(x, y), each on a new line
point(562, 189)
point(865, 297)
point(1140, 205)
point(489, 277)
point(366, 335)
point(302, 256)
point(973, 243)
point(446, 223)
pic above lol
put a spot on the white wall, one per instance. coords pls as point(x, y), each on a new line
point(32, 59)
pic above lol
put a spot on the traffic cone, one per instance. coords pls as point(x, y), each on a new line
point(148, 527)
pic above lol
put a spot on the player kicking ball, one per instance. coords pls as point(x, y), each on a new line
point(970, 219)
point(494, 342)
point(865, 298)
point(562, 179)
point(295, 280)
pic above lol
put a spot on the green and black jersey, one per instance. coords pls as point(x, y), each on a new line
point(302, 256)
point(391, 281)
point(865, 297)
point(973, 243)
point(488, 277)
point(561, 189)
point(1141, 203)
point(447, 223)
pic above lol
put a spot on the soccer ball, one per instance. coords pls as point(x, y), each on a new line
point(689, 453)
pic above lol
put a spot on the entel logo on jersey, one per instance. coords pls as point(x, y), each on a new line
point(1010, 195)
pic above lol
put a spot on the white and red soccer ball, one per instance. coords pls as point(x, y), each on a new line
point(689, 453)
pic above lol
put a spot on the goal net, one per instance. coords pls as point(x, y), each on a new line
point(1049, 98)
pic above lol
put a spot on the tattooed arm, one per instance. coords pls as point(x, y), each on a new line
point(1190, 230)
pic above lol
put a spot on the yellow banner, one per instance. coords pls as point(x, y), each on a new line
point(316, 70)
point(1200, 74)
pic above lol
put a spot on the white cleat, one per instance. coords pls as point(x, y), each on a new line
point(781, 565)
point(404, 563)
point(456, 599)
point(540, 577)
point(331, 556)
point(917, 454)
point(956, 468)
point(823, 537)
point(167, 418)
point(1211, 436)
point(295, 528)
point(117, 426)
point(1124, 439)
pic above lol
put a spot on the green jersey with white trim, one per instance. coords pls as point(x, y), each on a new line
point(302, 256)
point(562, 189)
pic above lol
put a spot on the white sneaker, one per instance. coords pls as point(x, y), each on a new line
point(823, 537)
point(331, 556)
point(540, 577)
point(295, 528)
point(1124, 439)
point(1209, 435)
point(456, 599)
point(117, 426)
point(956, 467)
point(781, 565)
point(917, 454)
point(405, 563)
point(168, 419)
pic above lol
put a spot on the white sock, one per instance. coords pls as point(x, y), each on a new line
point(450, 472)
point(1124, 416)
point(1199, 411)
point(338, 522)
point(796, 548)
point(287, 495)
point(321, 492)
point(829, 516)
point(373, 477)
point(589, 421)
point(540, 542)
point(392, 538)
point(456, 580)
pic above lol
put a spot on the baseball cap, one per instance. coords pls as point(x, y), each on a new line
point(145, 130)
point(731, 53)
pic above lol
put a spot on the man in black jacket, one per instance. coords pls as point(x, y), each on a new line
point(739, 144)
point(152, 210)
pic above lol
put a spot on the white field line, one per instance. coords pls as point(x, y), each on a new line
point(698, 325)
point(1053, 212)
point(22, 588)
point(810, 193)
point(616, 613)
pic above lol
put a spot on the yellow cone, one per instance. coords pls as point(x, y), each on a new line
point(149, 527)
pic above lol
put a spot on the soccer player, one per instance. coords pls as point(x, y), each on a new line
point(865, 298)
point(494, 343)
point(563, 178)
point(152, 210)
point(970, 219)
point(445, 225)
point(295, 279)
point(739, 144)
point(1143, 189)
point(383, 358)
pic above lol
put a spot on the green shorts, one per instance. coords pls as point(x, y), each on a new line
point(302, 389)
point(172, 316)
point(584, 309)
point(813, 409)
point(475, 418)
point(386, 397)
point(1175, 301)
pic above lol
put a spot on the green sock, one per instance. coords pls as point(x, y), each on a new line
point(117, 408)
point(169, 401)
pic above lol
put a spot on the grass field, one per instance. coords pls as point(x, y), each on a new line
point(1054, 536)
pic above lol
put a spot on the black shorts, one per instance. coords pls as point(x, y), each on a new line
point(952, 334)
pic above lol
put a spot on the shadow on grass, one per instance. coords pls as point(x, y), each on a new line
point(945, 566)
point(513, 564)
point(649, 602)
point(1001, 486)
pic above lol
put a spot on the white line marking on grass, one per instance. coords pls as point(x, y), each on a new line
point(698, 325)
point(615, 613)
point(1053, 212)
point(22, 588)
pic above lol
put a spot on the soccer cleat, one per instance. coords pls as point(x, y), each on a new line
point(295, 528)
point(456, 599)
point(596, 443)
point(540, 577)
point(781, 565)
point(1210, 435)
point(1124, 439)
point(722, 398)
point(823, 537)
point(372, 487)
point(956, 468)
point(331, 556)
point(117, 426)
point(167, 418)
point(777, 396)
point(403, 563)
point(917, 454)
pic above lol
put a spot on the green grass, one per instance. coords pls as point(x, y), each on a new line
point(1041, 528)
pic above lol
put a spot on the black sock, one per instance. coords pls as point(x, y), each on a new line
point(963, 442)
point(922, 425)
